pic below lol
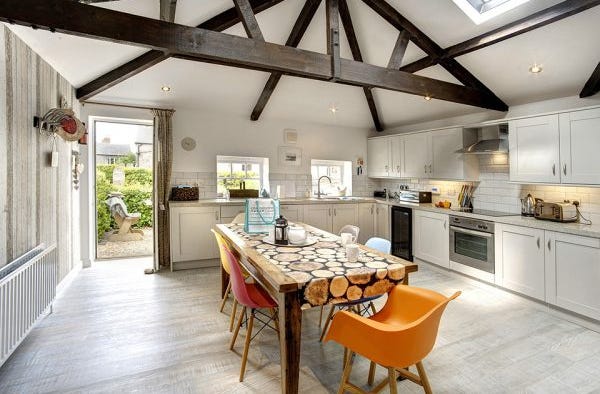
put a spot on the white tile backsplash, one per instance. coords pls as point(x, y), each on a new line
point(495, 192)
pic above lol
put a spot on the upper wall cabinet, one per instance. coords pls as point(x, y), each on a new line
point(417, 156)
point(397, 150)
point(534, 149)
point(378, 157)
point(580, 147)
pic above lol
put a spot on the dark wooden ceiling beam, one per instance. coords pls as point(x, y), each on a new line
point(357, 55)
point(209, 46)
point(592, 86)
point(399, 50)
point(167, 10)
point(333, 35)
point(220, 22)
point(306, 15)
point(539, 19)
point(390, 14)
point(246, 14)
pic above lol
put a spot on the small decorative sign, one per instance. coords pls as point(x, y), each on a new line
point(290, 156)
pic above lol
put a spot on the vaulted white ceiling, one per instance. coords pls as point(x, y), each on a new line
point(568, 50)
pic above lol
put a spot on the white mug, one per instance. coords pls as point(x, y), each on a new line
point(347, 238)
point(352, 252)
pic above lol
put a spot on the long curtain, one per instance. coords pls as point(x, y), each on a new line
point(163, 145)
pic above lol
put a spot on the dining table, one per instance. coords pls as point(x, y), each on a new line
point(302, 277)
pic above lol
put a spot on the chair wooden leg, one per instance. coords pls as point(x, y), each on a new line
point(227, 290)
point(372, 369)
point(392, 380)
point(233, 311)
point(346, 373)
point(247, 345)
point(327, 322)
point(373, 307)
point(237, 328)
point(321, 316)
point(424, 379)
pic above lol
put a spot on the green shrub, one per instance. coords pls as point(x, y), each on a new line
point(136, 192)
point(141, 176)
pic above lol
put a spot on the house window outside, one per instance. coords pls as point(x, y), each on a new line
point(233, 170)
point(340, 173)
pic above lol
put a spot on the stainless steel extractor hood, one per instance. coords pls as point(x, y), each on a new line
point(491, 139)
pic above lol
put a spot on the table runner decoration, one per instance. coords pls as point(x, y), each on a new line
point(328, 277)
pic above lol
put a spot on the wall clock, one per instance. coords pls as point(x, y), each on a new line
point(188, 143)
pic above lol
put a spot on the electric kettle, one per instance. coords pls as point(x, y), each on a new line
point(528, 205)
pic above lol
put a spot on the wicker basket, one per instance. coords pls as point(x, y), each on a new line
point(184, 193)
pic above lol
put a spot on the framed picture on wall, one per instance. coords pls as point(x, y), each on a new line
point(290, 156)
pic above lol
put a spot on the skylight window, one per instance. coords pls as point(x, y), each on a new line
point(482, 10)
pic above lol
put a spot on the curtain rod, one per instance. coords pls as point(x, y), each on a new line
point(120, 105)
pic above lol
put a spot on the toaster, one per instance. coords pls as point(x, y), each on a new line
point(556, 211)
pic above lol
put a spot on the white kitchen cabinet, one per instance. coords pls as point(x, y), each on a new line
point(431, 237)
point(396, 156)
point(331, 217)
point(378, 157)
point(382, 220)
point(417, 156)
point(191, 238)
point(446, 163)
point(292, 212)
point(534, 149)
point(366, 221)
point(579, 147)
point(344, 214)
point(229, 212)
point(319, 216)
point(573, 273)
point(522, 258)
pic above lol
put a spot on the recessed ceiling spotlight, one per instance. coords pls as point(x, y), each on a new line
point(165, 88)
point(427, 98)
point(333, 108)
point(535, 68)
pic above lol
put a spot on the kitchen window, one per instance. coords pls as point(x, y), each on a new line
point(233, 170)
point(340, 173)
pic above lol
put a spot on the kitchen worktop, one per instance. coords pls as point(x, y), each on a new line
point(516, 220)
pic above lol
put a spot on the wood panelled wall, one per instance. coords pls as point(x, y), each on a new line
point(37, 200)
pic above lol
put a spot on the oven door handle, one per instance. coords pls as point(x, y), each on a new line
point(471, 232)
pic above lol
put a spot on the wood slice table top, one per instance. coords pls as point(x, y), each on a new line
point(320, 272)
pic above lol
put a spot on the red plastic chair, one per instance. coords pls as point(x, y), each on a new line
point(250, 296)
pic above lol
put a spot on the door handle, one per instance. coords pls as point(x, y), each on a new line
point(565, 168)
point(334, 212)
point(538, 242)
point(329, 211)
point(386, 168)
point(398, 169)
point(371, 210)
point(430, 169)
point(425, 168)
point(216, 215)
point(549, 245)
point(554, 169)
point(445, 224)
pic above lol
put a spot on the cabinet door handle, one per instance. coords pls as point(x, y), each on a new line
point(553, 169)
point(371, 210)
point(329, 211)
point(425, 167)
point(538, 242)
point(398, 169)
point(565, 168)
point(549, 245)
point(334, 212)
point(386, 168)
point(216, 215)
point(444, 224)
point(430, 169)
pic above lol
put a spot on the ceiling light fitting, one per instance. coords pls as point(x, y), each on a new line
point(535, 68)
point(427, 98)
point(165, 88)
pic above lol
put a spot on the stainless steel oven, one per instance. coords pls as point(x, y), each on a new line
point(472, 243)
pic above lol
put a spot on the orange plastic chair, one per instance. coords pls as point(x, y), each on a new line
point(400, 335)
point(225, 264)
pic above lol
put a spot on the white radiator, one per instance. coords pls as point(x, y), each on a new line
point(27, 290)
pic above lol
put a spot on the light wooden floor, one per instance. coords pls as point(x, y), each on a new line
point(118, 330)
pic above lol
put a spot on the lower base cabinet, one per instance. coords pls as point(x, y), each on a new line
point(366, 222)
point(292, 212)
point(522, 260)
point(382, 221)
point(191, 238)
point(573, 273)
point(431, 237)
point(319, 216)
